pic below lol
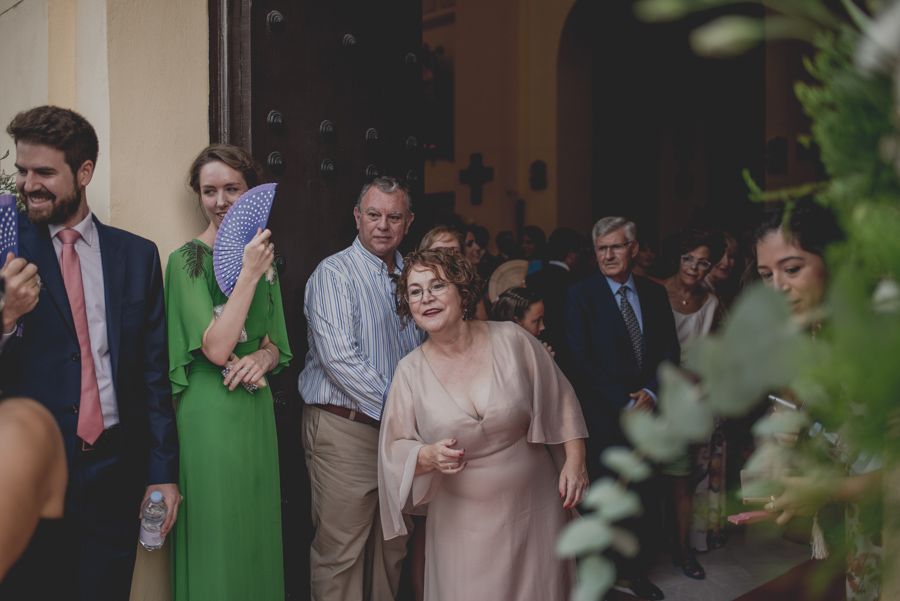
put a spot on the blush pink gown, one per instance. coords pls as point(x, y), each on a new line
point(492, 529)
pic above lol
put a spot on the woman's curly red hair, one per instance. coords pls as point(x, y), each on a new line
point(448, 265)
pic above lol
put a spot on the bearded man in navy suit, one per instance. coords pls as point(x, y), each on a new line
point(114, 319)
point(620, 328)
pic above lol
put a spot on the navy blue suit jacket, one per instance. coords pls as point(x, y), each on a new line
point(44, 362)
point(605, 371)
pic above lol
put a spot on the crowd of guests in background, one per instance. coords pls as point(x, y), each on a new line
point(456, 402)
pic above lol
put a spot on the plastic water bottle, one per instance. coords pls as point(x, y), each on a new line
point(154, 514)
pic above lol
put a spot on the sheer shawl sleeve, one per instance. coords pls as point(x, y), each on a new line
point(399, 489)
point(189, 307)
point(556, 413)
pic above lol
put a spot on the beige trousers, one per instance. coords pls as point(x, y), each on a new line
point(349, 558)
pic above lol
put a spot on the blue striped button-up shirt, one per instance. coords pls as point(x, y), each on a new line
point(355, 337)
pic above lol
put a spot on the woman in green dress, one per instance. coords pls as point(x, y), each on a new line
point(227, 542)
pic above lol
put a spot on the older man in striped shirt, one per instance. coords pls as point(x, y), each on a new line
point(355, 343)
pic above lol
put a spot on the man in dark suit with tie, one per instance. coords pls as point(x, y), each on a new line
point(620, 328)
point(86, 337)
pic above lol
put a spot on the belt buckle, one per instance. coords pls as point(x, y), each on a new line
point(87, 447)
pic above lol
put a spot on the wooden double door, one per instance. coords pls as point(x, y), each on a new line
point(325, 94)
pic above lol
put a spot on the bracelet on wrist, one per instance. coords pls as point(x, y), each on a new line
point(272, 357)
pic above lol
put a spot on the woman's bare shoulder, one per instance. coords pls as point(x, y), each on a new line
point(27, 420)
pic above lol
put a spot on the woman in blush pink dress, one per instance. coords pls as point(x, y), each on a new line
point(481, 425)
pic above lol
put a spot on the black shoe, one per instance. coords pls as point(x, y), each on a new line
point(687, 561)
point(645, 589)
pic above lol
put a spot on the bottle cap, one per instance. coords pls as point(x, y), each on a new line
point(155, 496)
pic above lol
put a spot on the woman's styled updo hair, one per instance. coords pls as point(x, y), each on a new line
point(450, 266)
point(513, 304)
point(236, 158)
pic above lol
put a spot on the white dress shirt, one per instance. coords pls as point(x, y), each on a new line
point(88, 249)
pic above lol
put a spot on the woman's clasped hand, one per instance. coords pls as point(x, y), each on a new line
point(250, 369)
point(442, 456)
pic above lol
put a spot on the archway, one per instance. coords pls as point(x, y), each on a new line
point(647, 129)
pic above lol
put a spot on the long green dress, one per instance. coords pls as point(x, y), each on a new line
point(226, 543)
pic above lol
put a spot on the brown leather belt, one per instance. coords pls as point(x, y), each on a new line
point(352, 415)
point(109, 441)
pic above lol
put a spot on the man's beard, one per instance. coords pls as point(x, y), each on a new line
point(59, 209)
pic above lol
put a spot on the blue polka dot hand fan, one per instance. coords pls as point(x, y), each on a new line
point(9, 226)
point(249, 213)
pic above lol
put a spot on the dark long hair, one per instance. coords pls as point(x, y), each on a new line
point(811, 225)
point(512, 304)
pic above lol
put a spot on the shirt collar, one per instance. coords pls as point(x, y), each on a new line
point(560, 264)
point(85, 227)
point(377, 265)
point(614, 285)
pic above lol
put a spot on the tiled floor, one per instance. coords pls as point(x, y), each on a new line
point(754, 555)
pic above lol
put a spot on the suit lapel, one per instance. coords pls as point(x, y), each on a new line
point(114, 286)
point(609, 306)
point(37, 248)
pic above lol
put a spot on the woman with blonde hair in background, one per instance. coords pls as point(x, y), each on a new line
point(442, 236)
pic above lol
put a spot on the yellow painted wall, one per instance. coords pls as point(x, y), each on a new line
point(23, 66)
point(138, 71)
point(504, 55)
point(159, 115)
point(541, 29)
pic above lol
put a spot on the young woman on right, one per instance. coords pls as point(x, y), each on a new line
point(789, 258)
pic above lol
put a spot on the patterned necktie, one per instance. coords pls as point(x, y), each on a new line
point(90, 418)
point(634, 329)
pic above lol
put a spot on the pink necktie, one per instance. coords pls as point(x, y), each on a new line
point(90, 418)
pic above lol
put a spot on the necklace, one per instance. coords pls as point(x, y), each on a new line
point(678, 292)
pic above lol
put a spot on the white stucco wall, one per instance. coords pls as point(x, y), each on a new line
point(54, 52)
point(138, 71)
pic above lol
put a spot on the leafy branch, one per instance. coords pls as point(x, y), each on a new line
point(7, 180)
point(851, 367)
